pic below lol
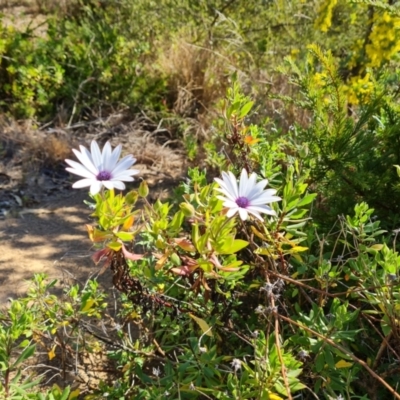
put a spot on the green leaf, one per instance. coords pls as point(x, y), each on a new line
point(28, 352)
point(116, 246)
point(202, 324)
point(177, 220)
point(320, 362)
point(206, 266)
point(329, 358)
point(306, 199)
point(385, 326)
point(246, 109)
point(230, 246)
point(125, 236)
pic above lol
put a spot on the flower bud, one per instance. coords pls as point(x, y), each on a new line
point(187, 209)
point(131, 197)
point(143, 189)
point(175, 259)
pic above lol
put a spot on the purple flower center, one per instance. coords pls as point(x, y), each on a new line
point(103, 176)
point(242, 202)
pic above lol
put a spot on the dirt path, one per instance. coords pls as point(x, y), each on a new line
point(51, 239)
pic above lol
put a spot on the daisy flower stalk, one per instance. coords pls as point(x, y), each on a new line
point(100, 168)
point(247, 197)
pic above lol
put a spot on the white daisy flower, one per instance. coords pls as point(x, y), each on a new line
point(247, 198)
point(101, 168)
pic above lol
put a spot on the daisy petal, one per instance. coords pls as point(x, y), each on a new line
point(251, 183)
point(128, 172)
point(226, 194)
point(264, 199)
point(114, 157)
point(108, 184)
point(120, 178)
point(96, 155)
point(95, 187)
point(231, 212)
point(230, 204)
point(82, 183)
point(243, 213)
point(243, 183)
point(85, 158)
point(106, 157)
point(231, 183)
point(115, 184)
point(78, 169)
point(265, 209)
point(255, 213)
point(124, 164)
point(224, 187)
point(258, 188)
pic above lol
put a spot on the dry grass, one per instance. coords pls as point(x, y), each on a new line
point(154, 146)
point(32, 148)
point(198, 75)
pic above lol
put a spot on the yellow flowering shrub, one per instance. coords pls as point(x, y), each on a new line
point(384, 39)
point(324, 19)
point(319, 78)
point(359, 89)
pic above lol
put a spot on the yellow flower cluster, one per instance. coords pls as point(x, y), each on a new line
point(319, 79)
point(324, 19)
point(359, 89)
point(384, 40)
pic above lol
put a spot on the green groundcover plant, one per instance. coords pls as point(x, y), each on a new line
point(231, 289)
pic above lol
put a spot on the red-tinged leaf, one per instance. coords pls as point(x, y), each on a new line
point(131, 256)
point(160, 263)
point(229, 269)
point(101, 255)
point(215, 261)
point(185, 244)
point(191, 262)
point(205, 285)
point(105, 256)
point(184, 270)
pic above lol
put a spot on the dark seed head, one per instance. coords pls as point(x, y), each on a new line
point(242, 202)
point(103, 176)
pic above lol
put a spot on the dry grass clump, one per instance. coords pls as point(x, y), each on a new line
point(48, 149)
point(31, 148)
point(197, 75)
